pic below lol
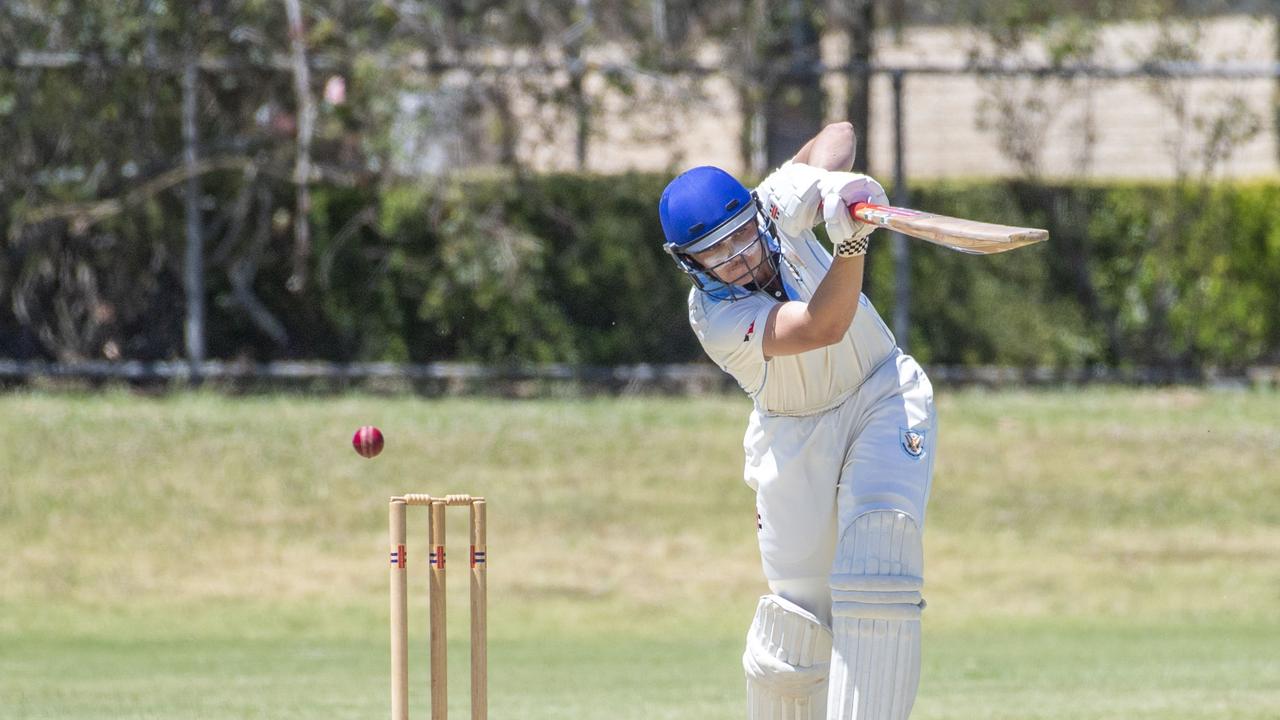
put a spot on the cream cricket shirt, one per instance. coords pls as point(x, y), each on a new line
point(732, 334)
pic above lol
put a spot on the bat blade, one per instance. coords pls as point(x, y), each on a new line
point(967, 236)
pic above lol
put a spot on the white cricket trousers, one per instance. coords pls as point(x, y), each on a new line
point(811, 473)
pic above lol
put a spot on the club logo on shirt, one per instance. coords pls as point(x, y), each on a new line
point(774, 212)
point(912, 443)
point(750, 330)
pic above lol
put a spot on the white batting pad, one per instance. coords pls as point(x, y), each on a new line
point(875, 591)
point(786, 662)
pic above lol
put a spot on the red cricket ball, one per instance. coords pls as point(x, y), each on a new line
point(367, 441)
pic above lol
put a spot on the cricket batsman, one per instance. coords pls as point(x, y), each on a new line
point(840, 443)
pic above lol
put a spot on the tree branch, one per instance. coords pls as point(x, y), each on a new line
point(86, 214)
point(243, 271)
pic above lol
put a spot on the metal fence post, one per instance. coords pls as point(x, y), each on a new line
point(193, 266)
point(901, 253)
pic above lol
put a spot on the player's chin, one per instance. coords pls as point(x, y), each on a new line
point(759, 275)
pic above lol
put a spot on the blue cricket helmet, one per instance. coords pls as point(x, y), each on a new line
point(702, 207)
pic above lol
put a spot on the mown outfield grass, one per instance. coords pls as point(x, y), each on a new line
point(1095, 554)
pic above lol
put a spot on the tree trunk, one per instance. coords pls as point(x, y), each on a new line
point(794, 109)
point(861, 31)
point(581, 111)
point(577, 79)
point(750, 86)
point(306, 129)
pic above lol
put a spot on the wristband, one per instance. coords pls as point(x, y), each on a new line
point(853, 247)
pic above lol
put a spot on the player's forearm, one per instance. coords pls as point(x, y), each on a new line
point(796, 327)
point(835, 301)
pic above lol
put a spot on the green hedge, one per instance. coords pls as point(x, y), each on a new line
point(569, 268)
point(1132, 275)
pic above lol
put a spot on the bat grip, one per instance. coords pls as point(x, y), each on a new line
point(859, 211)
point(858, 208)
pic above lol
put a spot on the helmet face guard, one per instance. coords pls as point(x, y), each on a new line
point(754, 276)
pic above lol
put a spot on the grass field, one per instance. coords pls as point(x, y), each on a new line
point(1093, 554)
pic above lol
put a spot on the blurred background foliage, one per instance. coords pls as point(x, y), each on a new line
point(568, 267)
point(320, 239)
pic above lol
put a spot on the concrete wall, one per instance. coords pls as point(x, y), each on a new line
point(1135, 135)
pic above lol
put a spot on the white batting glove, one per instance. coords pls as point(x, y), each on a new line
point(792, 197)
point(840, 190)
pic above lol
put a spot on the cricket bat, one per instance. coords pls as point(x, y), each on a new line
point(966, 236)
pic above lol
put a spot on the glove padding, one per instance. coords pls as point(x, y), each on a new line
point(840, 190)
point(793, 196)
